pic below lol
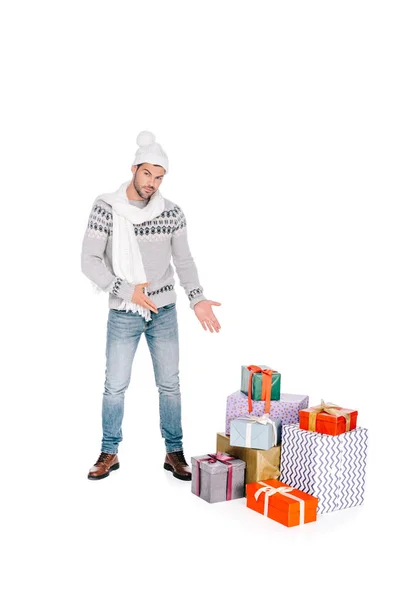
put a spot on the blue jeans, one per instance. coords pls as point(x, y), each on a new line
point(124, 330)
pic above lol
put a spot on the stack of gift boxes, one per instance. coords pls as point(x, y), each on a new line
point(291, 462)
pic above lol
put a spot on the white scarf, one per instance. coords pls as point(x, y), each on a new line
point(126, 255)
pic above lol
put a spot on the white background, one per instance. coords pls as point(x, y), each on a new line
point(281, 122)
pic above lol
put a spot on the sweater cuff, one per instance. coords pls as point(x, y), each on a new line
point(197, 299)
point(122, 289)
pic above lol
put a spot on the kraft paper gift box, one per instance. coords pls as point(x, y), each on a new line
point(218, 477)
point(332, 468)
point(260, 464)
point(281, 503)
point(328, 418)
point(257, 389)
point(287, 409)
point(260, 433)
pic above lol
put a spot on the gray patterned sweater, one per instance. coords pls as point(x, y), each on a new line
point(159, 240)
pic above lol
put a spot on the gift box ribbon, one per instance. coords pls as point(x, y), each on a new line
point(268, 490)
point(212, 458)
point(266, 385)
point(330, 409)
point(263, 420)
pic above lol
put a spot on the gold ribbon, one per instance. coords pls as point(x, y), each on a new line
point(330, 409)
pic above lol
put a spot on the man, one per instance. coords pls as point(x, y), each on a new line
point(130, 238)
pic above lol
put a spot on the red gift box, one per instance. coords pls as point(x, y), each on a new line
point(281, 502)
point(328, 418)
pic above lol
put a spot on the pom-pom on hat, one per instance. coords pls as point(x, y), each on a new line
point(150, 151)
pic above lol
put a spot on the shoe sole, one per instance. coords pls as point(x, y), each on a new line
point(113, 468)
point(168, 467)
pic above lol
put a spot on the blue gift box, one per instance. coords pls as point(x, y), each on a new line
point(261, 433)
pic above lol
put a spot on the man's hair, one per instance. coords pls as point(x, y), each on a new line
point(138, 166)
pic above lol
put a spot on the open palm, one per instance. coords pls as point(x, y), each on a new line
point(205, 315)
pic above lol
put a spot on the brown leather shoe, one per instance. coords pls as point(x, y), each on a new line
point(175, 462)
point(104, 464)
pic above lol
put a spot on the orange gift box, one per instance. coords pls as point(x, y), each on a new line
point(281, 502)
point(328, 418)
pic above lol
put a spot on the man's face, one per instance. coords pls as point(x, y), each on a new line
point(148, 179)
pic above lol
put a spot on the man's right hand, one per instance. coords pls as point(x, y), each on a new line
point(139, 297)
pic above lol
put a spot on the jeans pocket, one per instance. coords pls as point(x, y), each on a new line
point(168, 306)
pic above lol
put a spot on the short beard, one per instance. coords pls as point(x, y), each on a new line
point(138, 190)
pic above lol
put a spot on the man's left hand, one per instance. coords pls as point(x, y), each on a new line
point(205, 315)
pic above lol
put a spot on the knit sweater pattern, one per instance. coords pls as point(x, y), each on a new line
point(159, 240)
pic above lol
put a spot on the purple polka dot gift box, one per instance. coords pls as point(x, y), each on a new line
point(286, 409)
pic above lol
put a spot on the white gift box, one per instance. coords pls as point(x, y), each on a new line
point(332, 468)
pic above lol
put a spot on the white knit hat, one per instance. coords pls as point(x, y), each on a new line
point(149, 151)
